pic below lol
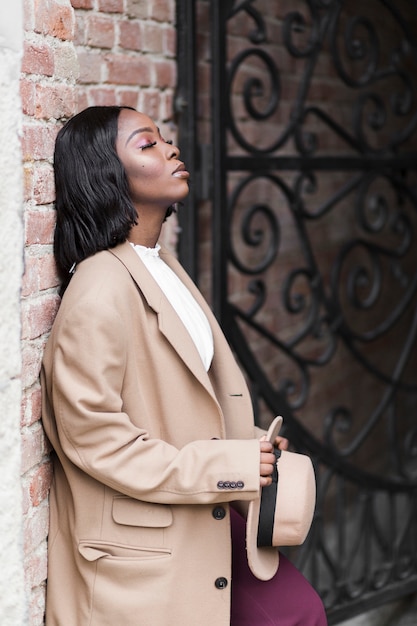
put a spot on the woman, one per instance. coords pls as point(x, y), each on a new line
point(148, 414)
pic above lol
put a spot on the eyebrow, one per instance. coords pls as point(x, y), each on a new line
point(144, 129)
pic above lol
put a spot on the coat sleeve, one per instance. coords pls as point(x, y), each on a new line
point(89, 353)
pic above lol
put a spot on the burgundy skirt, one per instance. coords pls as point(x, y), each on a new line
point(288, 599)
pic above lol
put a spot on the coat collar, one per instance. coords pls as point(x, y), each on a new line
point(169, 322)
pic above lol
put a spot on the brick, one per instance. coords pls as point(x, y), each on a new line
point(100, 32)
point(149, 101)
point(110, 6)
point(39, 227)
point(30, 277)
point(128, 98)
point(203, 16)
point(130, 35)
point(37, 316)
point(28, 16)
point(43, 184)
point(54, 101)
point(166, 107)
point(82, 4)
point(27, 95)
point(204, 78)
point(124, 70)
point(151, 37)
point(82, 100)
point(26, 505)
point(32, 352)
point(35, 527)
point(28, 182)
point(37, 59)
point(40, 274)
point(169, 41)
point(80, 30)
point(66, 63)
point(102, 96)
point(91, 67)
point(161, 10)
point(165, 73)
point(40, 483)
point(54, 17)
point(137, 8)
point(38, 141)
point(48, 273)
point(203, 48)
point(34, 446)
point(31, 407)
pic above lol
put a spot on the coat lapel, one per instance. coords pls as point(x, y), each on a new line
point(169, 322)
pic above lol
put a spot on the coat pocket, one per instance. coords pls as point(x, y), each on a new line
point(95, 550)
point(138, 532)
point(130, 512)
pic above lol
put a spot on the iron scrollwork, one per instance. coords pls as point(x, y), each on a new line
point(329, 233)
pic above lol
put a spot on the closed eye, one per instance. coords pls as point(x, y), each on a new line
point(148, 145)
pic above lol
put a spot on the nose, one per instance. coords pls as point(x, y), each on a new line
point(173, 151)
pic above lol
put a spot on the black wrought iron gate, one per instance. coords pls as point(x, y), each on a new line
point(312, 176)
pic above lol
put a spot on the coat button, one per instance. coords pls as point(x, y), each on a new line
point(221, 583)
point(219, 512)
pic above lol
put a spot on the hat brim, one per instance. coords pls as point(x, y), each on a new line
point(263, 561)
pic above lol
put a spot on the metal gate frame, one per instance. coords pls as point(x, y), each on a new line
point(378, 563)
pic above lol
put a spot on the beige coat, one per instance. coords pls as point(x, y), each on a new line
point(150, 451)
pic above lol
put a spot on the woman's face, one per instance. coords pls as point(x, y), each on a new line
point(156, 177)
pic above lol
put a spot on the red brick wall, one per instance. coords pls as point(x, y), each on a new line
point(90, 52)
point(48, 93)
point(127, 56)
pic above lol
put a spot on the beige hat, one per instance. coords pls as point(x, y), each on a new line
point(283, 513)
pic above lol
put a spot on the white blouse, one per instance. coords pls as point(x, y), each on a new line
point(185, 305)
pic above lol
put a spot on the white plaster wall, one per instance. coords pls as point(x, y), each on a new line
point(13, 610)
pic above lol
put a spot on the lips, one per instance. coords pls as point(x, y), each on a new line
point(180, 171)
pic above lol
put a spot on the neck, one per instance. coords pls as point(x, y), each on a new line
point(148, 242)
point(145, 234)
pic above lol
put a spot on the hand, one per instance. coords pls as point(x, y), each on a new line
point(281, 443)
point(267, 462)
